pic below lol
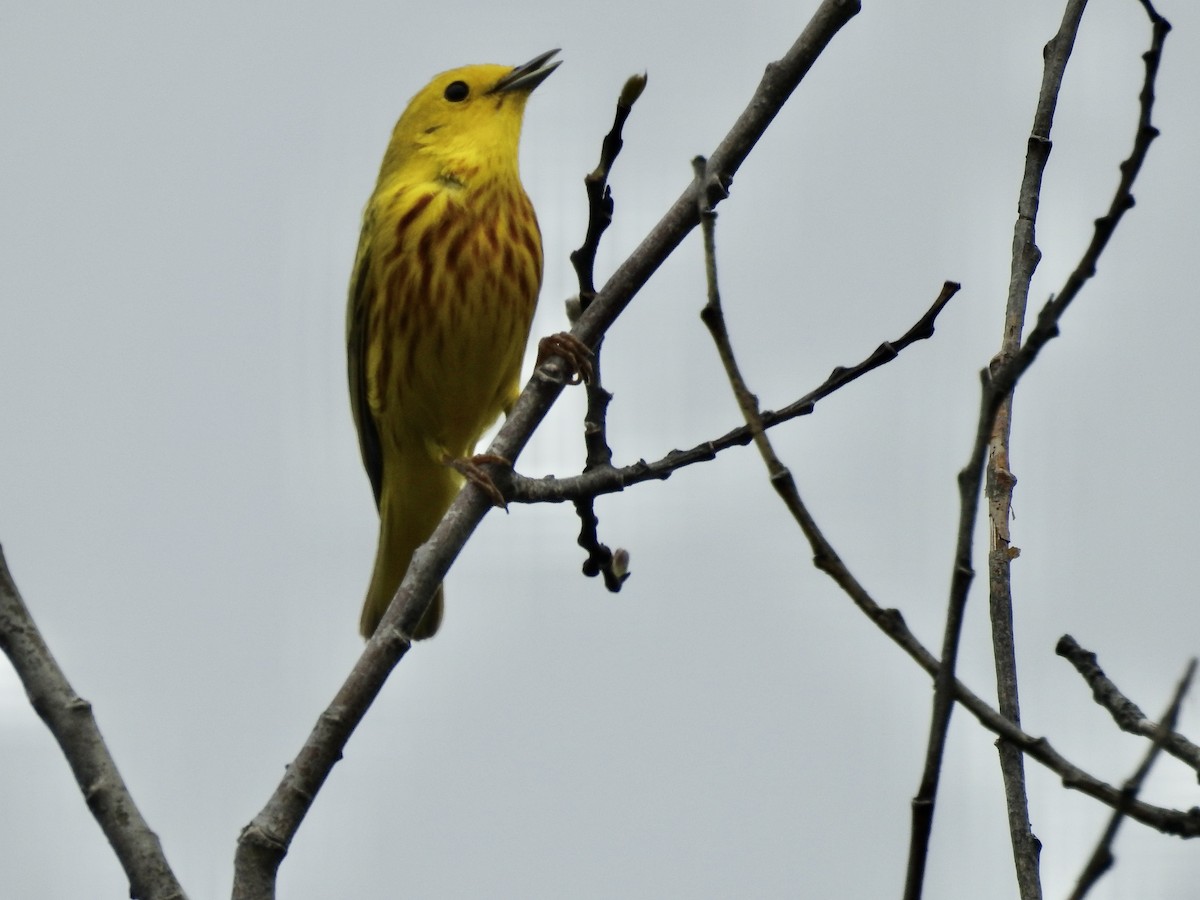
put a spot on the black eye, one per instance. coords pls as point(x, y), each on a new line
point(456, 91)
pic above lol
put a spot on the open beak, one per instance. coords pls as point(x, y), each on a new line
point(529, 75)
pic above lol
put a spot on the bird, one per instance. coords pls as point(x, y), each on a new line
point(442, 295)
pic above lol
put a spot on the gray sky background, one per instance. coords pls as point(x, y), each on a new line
point(183, 506)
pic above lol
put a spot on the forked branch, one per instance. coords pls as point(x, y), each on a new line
point(266, 839)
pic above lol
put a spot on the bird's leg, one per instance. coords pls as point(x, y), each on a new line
point(574, 352)
point(471, 468)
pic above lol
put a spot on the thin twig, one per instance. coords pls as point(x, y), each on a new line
point(1125, 713)
point(891, 622)
point(997, 383)
point(780, 476)
point(600, 560)
point(1000, 480)
point(612, 565)
point(265, 841)
point(1102, 857)
point(710, 191)
point(600, 202)
point(1182, 823)
point(69, 718)
point(522, 489)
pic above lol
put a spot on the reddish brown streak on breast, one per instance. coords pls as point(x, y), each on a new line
point(409, 217)
point(529, 237)
point(508, 265)
point(455, 246)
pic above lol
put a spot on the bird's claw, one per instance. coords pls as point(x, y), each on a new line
point(572, 351)
point(471, 468)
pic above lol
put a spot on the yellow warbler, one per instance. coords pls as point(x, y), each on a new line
point(445, 283)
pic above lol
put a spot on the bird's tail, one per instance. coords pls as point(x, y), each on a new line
point(416, 494)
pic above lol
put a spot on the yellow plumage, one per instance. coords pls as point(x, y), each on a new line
point(445, 283)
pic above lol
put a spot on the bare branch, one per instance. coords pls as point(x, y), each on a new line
point(612, 565)
point(1102, 858)
point(781, 78)
point(891, 622)
point(600, 201)
point(709, 191)
point(601, 560)
point(1182, 823)
point(1000, 479)
point(1125, 713)
point(264, 842)
point(827, 559)
point(69, 718)
point(608, 480)
point(998, 382)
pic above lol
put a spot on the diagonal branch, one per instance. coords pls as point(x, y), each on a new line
point(1125, 713)
point(265, 840)
point(1102, 858)
point(69, 718)
point(1181, 823)
point(609, 479)
point(890, 621)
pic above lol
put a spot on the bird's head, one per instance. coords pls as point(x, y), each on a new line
point(465, 122)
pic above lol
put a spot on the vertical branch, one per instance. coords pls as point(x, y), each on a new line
point(612, 565)
point(600, 202)
point(1000, 480)
point(998, 382)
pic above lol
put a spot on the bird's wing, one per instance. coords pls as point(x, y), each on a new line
point(362, 287)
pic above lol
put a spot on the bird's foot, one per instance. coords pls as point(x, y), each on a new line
point(574, 352)
point(471, 468)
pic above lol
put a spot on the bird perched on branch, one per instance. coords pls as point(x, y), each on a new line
point(444, 287)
